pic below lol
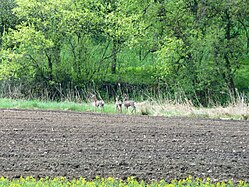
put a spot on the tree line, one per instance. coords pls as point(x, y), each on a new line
point(198, 49)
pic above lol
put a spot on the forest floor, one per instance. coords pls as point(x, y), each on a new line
point(73, 144)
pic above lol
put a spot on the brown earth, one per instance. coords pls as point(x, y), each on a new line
point(55, 143)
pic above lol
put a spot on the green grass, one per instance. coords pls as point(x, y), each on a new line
point(111, 182)
point(52, 105)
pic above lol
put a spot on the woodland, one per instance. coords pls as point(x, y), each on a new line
point(176, 49)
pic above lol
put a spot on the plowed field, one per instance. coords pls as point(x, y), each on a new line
point(56, 143)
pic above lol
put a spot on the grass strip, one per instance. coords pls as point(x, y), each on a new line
point(107, 182)
point(238, 111)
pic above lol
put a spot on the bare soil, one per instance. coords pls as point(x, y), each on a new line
point(57, 143)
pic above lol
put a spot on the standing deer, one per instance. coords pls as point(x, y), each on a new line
point(129, 103)
point(97, 103)
point(118, 104)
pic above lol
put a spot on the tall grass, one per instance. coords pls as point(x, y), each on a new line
point(238, 110)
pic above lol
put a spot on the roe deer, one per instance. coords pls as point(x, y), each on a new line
point(118, 104)
point(129, 103)
point(98, 103)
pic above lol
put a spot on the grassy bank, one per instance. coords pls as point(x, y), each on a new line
point(53, 105)
point(238, 110)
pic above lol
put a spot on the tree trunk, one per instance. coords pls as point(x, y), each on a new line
point(114, 57)
point(229, 76)
point(50, 67)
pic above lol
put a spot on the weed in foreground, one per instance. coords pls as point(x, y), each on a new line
point(104, 182)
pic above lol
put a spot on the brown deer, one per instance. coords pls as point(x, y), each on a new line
point(118, 104)
point(129, 103)
point(97, 103)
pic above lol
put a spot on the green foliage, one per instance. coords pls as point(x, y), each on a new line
point(7, 18)
point(193, 46)
point(242, 76)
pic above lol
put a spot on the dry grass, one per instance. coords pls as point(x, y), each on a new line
point(237, 110)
